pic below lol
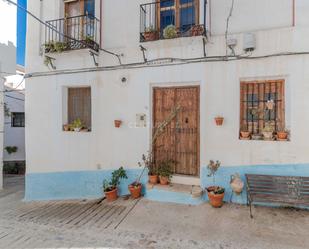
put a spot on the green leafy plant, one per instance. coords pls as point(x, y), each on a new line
point(49, 47)
point(269, 127)
point(165, 168)
point(117, 175)
point(213, 168)
point(217, 190)
point(11, 149)
point(77, 124)
point(170, 32)
point(60, 46)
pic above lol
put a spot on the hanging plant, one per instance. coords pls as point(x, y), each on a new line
point(11, 149)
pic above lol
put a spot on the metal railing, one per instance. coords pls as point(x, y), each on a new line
point(72, 33)
point(163, 20)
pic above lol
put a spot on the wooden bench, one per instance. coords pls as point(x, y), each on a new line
point(292, 191)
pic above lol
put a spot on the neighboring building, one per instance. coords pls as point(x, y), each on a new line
point(256, 81)
point(14, 129)
point(7, 61)
point(12, 53)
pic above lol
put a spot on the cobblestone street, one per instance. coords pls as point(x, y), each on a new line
point(143, 224)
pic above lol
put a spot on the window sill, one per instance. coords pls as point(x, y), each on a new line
point(264, 140)
point(81, 131)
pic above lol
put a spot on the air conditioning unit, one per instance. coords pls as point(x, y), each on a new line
point(249, 42)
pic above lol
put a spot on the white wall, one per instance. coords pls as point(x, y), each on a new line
point(250, 15)
point(49, 149)
point(8, 21)
point(14, 136)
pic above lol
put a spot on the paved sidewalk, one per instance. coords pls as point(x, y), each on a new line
point(144, 224)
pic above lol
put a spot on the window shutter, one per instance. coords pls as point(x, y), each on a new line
point(79, 105)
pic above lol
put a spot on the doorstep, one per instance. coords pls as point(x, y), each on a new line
point(175, 193)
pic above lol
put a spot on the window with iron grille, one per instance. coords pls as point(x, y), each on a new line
point(262, 104)
point(17, 119)
point(79, 106)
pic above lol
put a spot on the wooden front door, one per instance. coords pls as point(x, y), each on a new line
point(180, 139)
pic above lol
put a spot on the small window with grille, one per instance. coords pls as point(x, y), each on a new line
point(17, 119)
point(262, 109)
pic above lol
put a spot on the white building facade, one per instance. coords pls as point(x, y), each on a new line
point(266, 61)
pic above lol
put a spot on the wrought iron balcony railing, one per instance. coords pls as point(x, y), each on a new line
point(72, 33)
point(166, 19)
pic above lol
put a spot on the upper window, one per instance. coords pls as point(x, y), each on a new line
point(262, 112)
point(79, 108)
point(180, 13)
point(18, 119)
point(167, 19)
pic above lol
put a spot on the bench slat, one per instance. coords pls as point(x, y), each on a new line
point(293, 190)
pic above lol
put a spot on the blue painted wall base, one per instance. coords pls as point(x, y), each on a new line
point(75, 185)
point(223, 177)
point(88, 184)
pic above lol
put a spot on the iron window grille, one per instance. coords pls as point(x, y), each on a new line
point(183, 14)
point(262, 103)
point(17, 119)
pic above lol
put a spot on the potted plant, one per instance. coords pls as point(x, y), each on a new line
point(197, 30)
point(268, 131)
point(150, 34)
point(282, 134)
point(170, 32)
point(244, 133)
point(77, 125)
point(165, 171)
point(215, 193)
point(150, 165)
point(66, 127)
point(117, 123)
point(110, 187)
point(219, 120)
point(135, 189)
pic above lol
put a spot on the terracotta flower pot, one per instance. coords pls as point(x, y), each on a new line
point(282, 135)
point(216, 200)
point(219, 121)
point(153, 179)
point(164, 180)
point(245, 134)
point(111, 195)
point(150, 36)
point(66, 127)
point(135, 191)
point(197, 30)
point(117, 123)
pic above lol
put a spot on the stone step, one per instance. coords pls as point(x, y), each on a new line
point(175, 193)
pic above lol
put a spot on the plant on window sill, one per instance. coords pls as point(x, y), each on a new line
point(170, 32)
point(11, 149)
point(76, 126)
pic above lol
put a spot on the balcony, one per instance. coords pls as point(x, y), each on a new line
point(72, 33)
point(167, 19)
